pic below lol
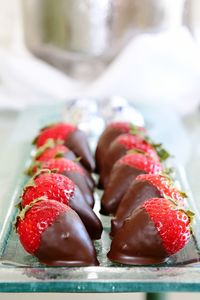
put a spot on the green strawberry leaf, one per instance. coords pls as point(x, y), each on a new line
point(50, 143)
point(190, 214)
point(162, 153)
point(59, 154)
point(30, 170)
point(183, 194)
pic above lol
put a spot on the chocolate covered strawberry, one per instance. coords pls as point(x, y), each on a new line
point(60, 188)
point(119, 148)
point(154, 231)
point(124, 171)
point(52, 150)
point(111, 132)
point(54, 233)
point(71, 170)
point(72, 137)
point(145, 186)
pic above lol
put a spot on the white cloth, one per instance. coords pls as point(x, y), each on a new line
point(158, 68)
point(25, 80)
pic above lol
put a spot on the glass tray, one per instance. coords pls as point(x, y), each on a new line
point(20, 272)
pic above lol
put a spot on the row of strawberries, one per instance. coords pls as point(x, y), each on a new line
point(150, 222)
point(56, 222)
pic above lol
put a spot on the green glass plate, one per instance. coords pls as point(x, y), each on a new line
point(20, 272)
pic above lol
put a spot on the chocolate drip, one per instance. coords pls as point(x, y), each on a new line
point(87, 215)
point(137, 194)
point(80, 181)
point(138, 241)
point(121, 178)
point(77, 142)
point(66, 243)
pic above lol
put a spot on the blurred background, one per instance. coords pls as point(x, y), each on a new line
point(100, 48)
point(147, 51)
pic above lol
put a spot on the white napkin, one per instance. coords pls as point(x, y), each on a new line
point(159, 68)
point(26, 80)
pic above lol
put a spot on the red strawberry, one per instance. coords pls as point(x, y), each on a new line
point(153, 232)
point(141, 162)
point(165, 185)
point(60, 188)
point(49, 185)
point(72, 137)
point(129, 141)
point(48, 151)
point(62, 165)
point(111, 132)
point(145, 186)
point(56, 132)
point(51, 150)
point(119, 148)
point(73, 171)
point(53, 232)
point(123, 126)
point(124, 172)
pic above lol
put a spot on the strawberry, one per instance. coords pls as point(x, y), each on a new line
point(60, 188)
point(124, 172)
point(56, 132)
point(49, 185)
point(154, 231)
point(53, 232)
point(165, 185)
point(73, 171)
point(123, 126)
point(141, 162)
point(52, 150)
point(119, 148)
point(111, 132)
point(129, 141)
point(72, 137)
point(145, 186)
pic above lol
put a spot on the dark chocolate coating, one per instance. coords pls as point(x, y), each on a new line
point(77, 142)
point(138, 241)
point(138, 192)
point(66, 243)
point(108, 135)
point(90, 181)
point(120, 179)
point(87, 215)
point(114, 152)
point(80, 181)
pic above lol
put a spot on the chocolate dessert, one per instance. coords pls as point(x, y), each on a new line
point(138, 192)
point(66, 243)
point(118, 148)
point(124, 171)
point(109, 134)
point(72, 137)
point(138, 242)
point(77, 142)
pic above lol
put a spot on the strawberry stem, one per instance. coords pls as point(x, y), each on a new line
point(49, 144)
